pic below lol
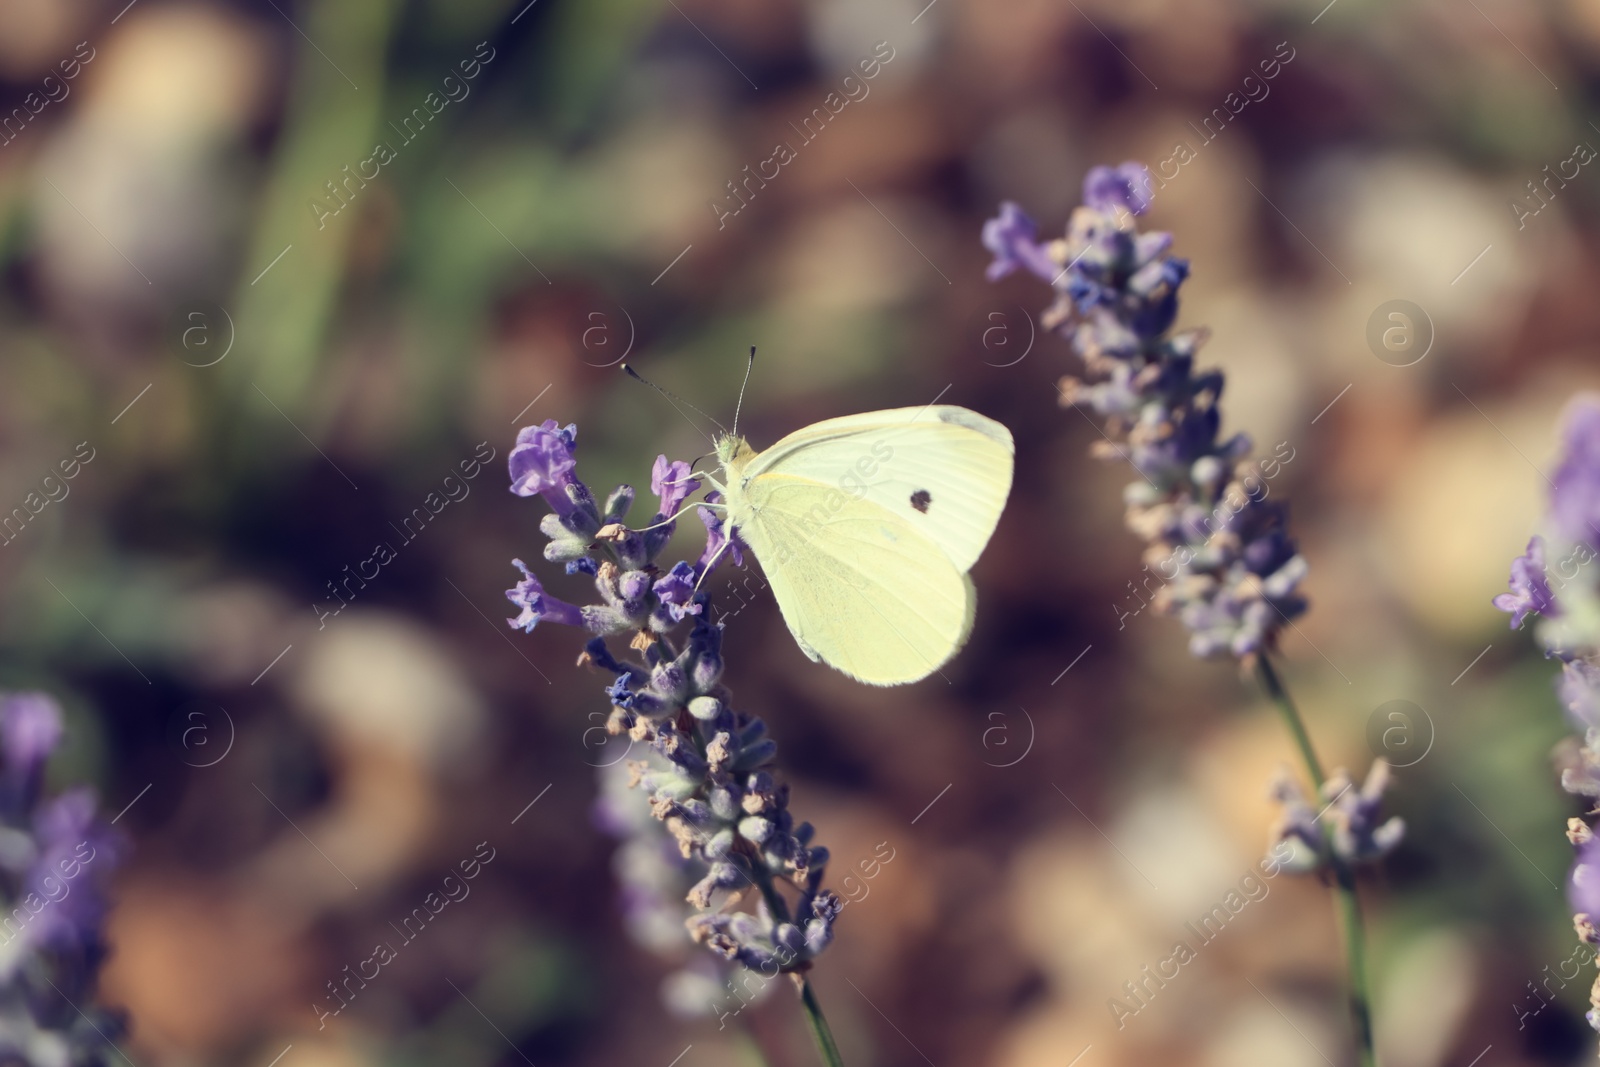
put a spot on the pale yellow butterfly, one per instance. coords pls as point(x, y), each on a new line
point(866, 526)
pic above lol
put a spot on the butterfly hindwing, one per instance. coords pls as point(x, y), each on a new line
point(870, 597)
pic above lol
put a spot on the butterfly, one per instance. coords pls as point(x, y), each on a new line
point(866, 527)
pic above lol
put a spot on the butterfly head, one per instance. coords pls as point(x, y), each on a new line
point(733, 452)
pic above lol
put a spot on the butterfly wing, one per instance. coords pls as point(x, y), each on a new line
point(859, 589)
point(943, 471)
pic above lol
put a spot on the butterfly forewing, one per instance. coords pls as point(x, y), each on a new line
point(943, 471)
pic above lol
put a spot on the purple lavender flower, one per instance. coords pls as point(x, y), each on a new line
point(672, 483)
point(537, 606)
point(1358, 834)
point(706, 767)
point(1105, 189)
point(1530, 592)
point(1575, 495)
point(676, 589)
point(542, 461)
point(74, 846)
point(1013, 238)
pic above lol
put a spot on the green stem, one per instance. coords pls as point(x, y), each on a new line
point(1346, 897)
point(819, 1026)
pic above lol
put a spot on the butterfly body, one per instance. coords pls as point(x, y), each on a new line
point(866, 526)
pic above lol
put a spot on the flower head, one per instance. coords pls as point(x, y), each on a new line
point(542, 462)
point(1344, 823)
point(1228, 566)
point(1219, 545)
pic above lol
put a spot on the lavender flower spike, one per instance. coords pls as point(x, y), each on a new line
point(55, 853)
point(1567, 600)
point(706, 769)
point(1218, 542)
point(1219, 546)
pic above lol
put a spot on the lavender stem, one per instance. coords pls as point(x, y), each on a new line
point(826, 1049)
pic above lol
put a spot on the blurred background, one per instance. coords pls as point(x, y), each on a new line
point(271, 271)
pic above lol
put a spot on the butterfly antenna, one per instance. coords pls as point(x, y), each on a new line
point(670, 395)
point(737, 407)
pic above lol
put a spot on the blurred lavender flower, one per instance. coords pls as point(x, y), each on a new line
point(1356, 834)
point(54, 856)
point(1013, 238)
point(1230, 570)
point(1530, 592)
point(706, 768)
point(1569, 631)
point(1219, 549)
point(1579, 688)
point(654, 877)
point(1105, 189)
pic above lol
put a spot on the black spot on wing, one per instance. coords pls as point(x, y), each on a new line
point(921, 499)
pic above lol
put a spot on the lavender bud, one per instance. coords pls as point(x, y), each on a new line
point(788, 936)
point(723, 803)
point(617, 504)
point(720, 846)
point(705, 708)
point(755, 755)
